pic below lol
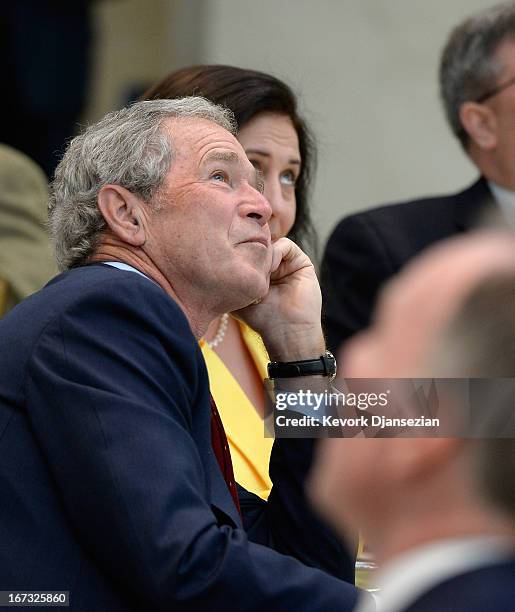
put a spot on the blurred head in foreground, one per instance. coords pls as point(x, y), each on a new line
point(451, 313)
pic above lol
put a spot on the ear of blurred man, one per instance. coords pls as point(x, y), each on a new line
point(480, 123)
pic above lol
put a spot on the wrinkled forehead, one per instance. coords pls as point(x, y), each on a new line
point(198, 144)
point(197, 136)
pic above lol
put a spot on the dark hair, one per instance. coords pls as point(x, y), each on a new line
point(247, 93)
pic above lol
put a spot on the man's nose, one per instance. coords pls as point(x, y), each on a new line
point(256, 206)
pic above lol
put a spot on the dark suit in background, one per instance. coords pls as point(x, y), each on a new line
point(489, 589)
point(110, 488)
point(369, 247)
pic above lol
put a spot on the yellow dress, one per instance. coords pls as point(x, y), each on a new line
point(250, 450)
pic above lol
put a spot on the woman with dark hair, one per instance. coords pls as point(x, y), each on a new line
point(279, 144)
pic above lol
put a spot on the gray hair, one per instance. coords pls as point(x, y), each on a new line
point(127, 147)
point(468, 68)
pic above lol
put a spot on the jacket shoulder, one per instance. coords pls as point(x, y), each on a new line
point(408, 212)
point(101, 284)
point(99, 300)
point(400, 230)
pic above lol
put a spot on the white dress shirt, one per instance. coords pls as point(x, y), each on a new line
point(506, 201)
point(123, 266)
point(411, 574)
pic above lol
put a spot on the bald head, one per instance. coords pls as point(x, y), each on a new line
point(405, 491)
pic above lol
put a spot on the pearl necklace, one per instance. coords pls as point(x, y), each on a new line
point(220, 332)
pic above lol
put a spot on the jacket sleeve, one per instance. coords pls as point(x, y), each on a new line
point(111, 393)
point(356, 263)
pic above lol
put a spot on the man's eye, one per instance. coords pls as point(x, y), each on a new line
point(288, 178)
point(220, 176)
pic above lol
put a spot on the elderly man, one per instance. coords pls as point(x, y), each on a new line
point(438, 513)
point(116, 479)
point(477, 77)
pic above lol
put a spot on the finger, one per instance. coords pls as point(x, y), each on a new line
point(280, 250)
point(287, 258)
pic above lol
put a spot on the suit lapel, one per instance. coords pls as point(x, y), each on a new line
point(219, 493)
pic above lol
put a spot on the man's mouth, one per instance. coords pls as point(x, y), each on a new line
point(257, 240)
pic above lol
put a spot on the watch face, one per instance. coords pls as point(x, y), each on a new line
point(330, 365)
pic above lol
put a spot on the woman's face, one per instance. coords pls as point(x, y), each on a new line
point(272, 145)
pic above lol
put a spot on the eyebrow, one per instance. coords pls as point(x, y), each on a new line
point(227, 156)
point(294, 161)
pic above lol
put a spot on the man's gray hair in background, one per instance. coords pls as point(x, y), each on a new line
point(127, 148)
point(468, 68)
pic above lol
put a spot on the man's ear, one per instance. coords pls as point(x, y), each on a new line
point(480, 123)
point(123, 213)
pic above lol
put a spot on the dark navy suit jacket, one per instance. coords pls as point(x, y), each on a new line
point(489, 589)
point(108, 484)
point(366, 249)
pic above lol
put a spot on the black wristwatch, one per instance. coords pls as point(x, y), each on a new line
point(325, 365)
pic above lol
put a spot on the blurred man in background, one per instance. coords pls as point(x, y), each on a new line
point(477, 83)
point(26, 261)
point(439, 513)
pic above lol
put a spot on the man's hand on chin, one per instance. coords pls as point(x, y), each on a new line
point(288, 316)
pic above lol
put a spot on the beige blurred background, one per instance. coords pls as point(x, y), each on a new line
point(365, 70)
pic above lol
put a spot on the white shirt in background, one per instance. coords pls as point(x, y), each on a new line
point(506, 201)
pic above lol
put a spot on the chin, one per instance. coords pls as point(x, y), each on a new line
point(253, 287)
point(259, 288)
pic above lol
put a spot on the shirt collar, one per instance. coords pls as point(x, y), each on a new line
point(506, 201)
point(123, 266)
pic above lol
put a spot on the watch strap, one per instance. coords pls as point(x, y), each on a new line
point(325, 365)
